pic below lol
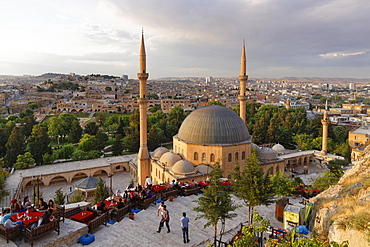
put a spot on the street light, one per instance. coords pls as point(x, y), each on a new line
point(110, 175)
point(36, 187)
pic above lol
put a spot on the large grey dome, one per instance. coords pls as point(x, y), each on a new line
point(213, 124)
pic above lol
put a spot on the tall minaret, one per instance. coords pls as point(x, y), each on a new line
point(243, 80)
point(143, 155)
point(325, 126)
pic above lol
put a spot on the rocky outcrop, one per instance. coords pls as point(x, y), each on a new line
point(341, 213)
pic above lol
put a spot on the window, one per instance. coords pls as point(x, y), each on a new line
point(203, 157)
point(230, 158)
point(236, 156)
point(357, 138)
point(212, 158)
point(277, 169)
point(195, 156)
point(243, 155)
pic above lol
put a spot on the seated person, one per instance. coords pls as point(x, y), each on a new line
point(46, 218)
point(15, 207)
point(42, 205)
point(101, 206)
point(142, 195)
point(52, 205)
point(120, 204)
point(173, 183)
point(138, 187)
point(27, 204)
point(5, 215)
point(149, 194)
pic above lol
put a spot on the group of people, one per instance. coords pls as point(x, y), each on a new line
point(165, 219)
point(48, 210)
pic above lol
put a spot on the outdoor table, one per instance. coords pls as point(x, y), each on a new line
point(83, 217)
point(158, 187)
point(27, 218)
point(225, 183)
point(109, 204)
point(167, 186)
point(187, 186)
point(203, 183)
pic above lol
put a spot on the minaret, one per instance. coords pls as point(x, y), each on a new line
point(325, 126)
point(287, 104)
point(243, 80)
point(143, 155)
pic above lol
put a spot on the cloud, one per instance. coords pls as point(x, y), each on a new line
point(282, 37)
point(337, 54)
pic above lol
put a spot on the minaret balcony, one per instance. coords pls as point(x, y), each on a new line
point(142, 100)
point(141, 76)
point(243, 77)
point(242, 97)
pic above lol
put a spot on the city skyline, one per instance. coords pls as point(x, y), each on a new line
point(187, 38)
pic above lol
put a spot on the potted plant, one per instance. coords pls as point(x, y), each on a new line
point(170, 198)
point(131, 216)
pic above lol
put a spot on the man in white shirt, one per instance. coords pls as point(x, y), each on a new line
point(160, 208)
point(185, 227)
point(148, 182)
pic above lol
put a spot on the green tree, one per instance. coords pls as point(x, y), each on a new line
point(281, 184)
point(25, 113)
point(100, 139)
point(259, 226)
point(91, 128)
point(155, 137)
point(341, 134)
point(76, 132)
point(117, 146)
point(38, 143)
point(260, 128)
point(77, 197)
point(24, 161)
point(325, 180)
point(87, 143)
point(108, 89)
point(27, 124)
point(14, 147)
point(3, 175)
point(82, 155)
point(4, 136)
point(101, 192)
point(49, 158)
point(59, 197)
point(66, 152)
point(55, 128)
point(215, 205)
point(252, 185)
point(33, 106)
point(304, 141)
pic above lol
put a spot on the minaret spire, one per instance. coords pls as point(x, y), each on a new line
point(243, 77)
point(143, 155)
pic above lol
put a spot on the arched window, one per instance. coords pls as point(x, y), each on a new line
point(243, 155)
point(195, 156)
point(236, 156)
point(212, 158)
point(203, 157)
point(230, 158)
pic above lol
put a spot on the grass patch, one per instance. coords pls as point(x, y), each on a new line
point(105, 115)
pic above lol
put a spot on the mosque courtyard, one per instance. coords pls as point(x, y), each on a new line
point(142, 230)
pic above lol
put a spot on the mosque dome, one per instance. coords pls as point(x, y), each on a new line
point(266, 154)
point(255, 146)
point(213, 124)
point(169, 158)
point(157, 154)
point(278, 148)
point(183, 167)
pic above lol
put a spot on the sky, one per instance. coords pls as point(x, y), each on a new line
point(189, 38)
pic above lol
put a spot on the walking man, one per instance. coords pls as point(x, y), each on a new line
point(165, 218)
point(185, 227)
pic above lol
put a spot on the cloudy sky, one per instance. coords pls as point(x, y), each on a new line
point(324, 38)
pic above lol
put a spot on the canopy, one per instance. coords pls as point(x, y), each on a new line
point(87, 183)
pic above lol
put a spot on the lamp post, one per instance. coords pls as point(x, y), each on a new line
point(36, 187)
point(110, 175)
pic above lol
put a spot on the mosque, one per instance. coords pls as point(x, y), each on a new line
point(208, 135)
